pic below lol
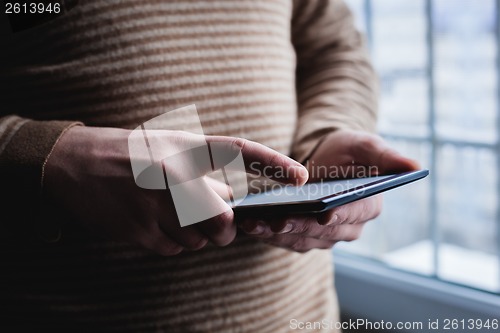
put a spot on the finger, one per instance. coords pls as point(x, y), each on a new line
point(371, 150)
point(270, 227)
point(344, 172)
point(365, 209)
point(188, 237)
point(390, 161)
point(256, 227)
point(306, 226)
point(160, 243)
point(309, 225)
point(259, 159)
point(252, 226)
point(327, 218)
point(299, 243)
point(339, 233)
point(218, 152)
point(355, 212)
point(221, 229)
point(148, 235)
point(195, 202)
point(223, 190)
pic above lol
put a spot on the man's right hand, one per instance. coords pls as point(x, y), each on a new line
point(89, 175)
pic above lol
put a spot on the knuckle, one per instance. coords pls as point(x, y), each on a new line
point(330, 233)
point(239, 143)
point(367, 141)
point(304, 227)
point(343, 217)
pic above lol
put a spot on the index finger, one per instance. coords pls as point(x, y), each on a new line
point(258, 159)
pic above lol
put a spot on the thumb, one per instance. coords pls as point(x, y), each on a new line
point(373, 151)
point(390, 161)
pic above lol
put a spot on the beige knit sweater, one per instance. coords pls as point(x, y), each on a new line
point(278, 72)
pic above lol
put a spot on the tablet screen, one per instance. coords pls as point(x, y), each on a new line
point(312, 191)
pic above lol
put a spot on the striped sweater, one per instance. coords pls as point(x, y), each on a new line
point(278, 72)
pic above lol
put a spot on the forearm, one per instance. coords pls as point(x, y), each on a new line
point(24, 148)
point(336, 84)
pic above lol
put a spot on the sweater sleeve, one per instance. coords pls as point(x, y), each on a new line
point(336, 84)
point(25, 146)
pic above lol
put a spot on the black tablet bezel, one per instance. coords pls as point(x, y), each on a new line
point(333, 200)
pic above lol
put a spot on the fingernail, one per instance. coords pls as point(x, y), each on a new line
point(286, 229)
point(259, 228)
point(299, 171)
point(333, 220)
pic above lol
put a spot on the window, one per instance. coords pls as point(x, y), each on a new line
point(439, 70)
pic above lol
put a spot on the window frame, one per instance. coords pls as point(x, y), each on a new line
point(368, 290)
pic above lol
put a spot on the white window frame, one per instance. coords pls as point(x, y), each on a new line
point(371, 291)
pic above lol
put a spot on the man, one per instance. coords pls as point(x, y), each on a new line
point(84, 248)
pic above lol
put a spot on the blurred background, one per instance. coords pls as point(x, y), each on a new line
point(438, 63)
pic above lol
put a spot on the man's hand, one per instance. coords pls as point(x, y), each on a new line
point(342, 154)
point(89, 175)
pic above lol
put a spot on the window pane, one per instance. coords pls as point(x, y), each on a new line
point(400, 56)
point(452, 234)
point(467, 204)
point(465, 70)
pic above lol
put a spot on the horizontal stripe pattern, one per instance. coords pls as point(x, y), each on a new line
point(119, 63)
point(229, 57)
point(257, 286)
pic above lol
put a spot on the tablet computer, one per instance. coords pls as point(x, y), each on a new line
point(322, 196)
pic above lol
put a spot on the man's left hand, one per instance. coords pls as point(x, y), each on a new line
point(342, 154)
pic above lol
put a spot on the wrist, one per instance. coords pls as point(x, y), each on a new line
point(75, 154)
